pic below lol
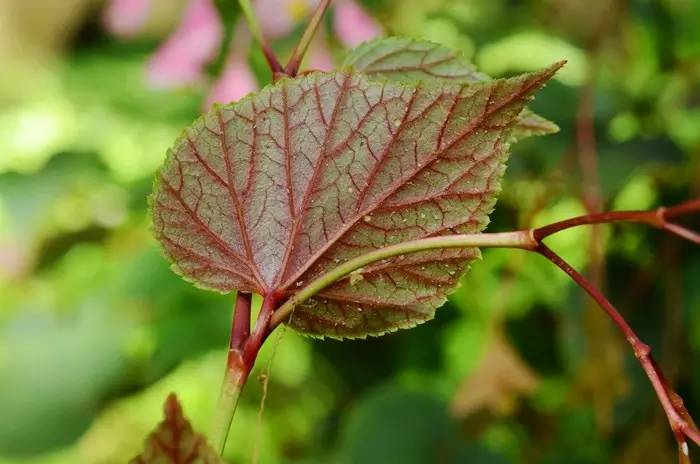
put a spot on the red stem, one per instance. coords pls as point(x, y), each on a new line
point(272, 61)
point(240, 328)
point(658, 218)
point(646, 217)
point(682, 426)
point(245, 346)
point(261, 331)
point(300, 50)
point(681, 209)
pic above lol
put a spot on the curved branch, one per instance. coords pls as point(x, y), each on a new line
point(681, 423)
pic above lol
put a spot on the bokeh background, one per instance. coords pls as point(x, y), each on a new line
point(518, 367)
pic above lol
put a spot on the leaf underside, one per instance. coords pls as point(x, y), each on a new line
point(405, 60)
point(268, 193)
point(174, 441)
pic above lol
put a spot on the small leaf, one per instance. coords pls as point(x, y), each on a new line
point(403, 59)
point(174, 441)
point(269, 193)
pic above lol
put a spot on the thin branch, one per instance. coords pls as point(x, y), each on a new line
point(681, 426)
point(256, 32)
point(681, 209)
point(298, 55)
point(658, 218)
point(525, 239)
point(262, 328)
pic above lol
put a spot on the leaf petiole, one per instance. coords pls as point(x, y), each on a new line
point(292, 67)
point(257, 33)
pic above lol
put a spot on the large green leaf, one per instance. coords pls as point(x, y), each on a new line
point(403, 59)
point(268, 193)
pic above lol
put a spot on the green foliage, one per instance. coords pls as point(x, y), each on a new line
point(95, 330)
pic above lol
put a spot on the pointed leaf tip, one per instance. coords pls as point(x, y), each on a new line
point(404, 59)
point(175, 442)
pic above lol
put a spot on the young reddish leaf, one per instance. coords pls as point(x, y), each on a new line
point(174, 441)
point(405, 60)
point(273, 191)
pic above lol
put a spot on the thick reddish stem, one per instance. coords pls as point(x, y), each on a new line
point(240, 327)
point(244, 348)
point(261, 331)
point(679, 419)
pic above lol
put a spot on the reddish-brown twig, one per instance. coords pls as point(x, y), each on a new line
point(240, 328)
point(681, 423)
point(294, 63)
point(659, 218)
point(256, 32)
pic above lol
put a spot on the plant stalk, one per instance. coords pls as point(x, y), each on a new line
point(528, 239)
point(294, 63)
point(244, 349)
point(234, 380)
point(256, 32)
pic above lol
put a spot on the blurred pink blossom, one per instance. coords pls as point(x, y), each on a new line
point(124, 18)
point(318, 56)
point(352, 24)
point(235, 82)
point(181, 59)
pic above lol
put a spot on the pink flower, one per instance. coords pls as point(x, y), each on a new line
point(318, 56)
point(124, 18)
point(353, 25)
point(235, 82)
point(181, 59)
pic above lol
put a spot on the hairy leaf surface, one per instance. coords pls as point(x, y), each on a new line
point(174, 441)
point(405, 60)
point(268, 193)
